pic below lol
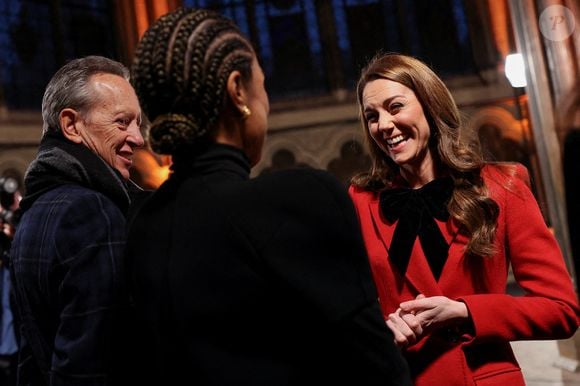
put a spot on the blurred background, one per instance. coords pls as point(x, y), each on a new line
point(312, 52)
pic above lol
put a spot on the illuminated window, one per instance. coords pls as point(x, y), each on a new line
point(37, 37)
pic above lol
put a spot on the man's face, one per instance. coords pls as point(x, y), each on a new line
point(111, 125)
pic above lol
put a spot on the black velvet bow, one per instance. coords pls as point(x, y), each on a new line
point(417, 210)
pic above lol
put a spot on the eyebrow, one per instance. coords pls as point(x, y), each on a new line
point(388, 100)
point(123, 111)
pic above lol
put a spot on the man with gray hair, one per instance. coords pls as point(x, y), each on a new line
point(67, 253)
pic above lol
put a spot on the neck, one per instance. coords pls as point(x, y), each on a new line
point(419, 175)
point(227, 132)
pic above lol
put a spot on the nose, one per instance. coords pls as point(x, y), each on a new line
point(135, 138)
point(386, 122)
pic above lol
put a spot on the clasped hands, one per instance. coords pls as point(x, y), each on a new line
point(415, 318)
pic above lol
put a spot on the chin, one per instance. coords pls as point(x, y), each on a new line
point(124, 173)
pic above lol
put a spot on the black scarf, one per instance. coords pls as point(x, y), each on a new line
point(417, 210)
point(61, 162)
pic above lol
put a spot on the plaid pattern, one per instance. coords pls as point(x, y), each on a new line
point(69, 284)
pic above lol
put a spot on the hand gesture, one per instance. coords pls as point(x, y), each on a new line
point(415, 318)
point(436, 311)
point(406, 327)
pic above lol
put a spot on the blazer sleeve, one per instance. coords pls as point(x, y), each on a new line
point(549, 308)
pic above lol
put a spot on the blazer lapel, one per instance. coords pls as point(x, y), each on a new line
point(418, 277)
point(418, 274)
point(454, 266)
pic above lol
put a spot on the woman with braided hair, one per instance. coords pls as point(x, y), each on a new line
point(441, 229)
point(243, 281)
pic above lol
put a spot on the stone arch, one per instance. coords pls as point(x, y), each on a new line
point(498, 117)
point(502, 136)
point(352, 160)
point(284, 154)
point(338, 138)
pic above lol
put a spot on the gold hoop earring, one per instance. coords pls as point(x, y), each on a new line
point(246, 112)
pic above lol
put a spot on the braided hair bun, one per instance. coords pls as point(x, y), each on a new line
point(167, 130)
point(180, 72)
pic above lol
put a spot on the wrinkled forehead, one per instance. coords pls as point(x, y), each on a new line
point(113, 92)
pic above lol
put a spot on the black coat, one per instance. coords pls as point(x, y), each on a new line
point(259, 281)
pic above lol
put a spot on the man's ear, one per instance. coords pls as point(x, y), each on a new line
point(70, 120)
point(236, 90)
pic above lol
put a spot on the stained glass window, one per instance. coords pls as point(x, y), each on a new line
point(306, 47)
point(37, 37)
point(286, 36)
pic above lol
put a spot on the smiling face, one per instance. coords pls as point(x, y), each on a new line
point(397, 124)
point(111, 126)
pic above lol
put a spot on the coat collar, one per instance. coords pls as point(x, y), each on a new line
point(418, 274)
point(209, 157)
point(62, 162)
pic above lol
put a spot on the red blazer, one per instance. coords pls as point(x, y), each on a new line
point(549, 309)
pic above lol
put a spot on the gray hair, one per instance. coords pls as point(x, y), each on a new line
point(69, 87)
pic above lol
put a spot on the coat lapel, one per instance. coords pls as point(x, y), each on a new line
point(454, 267)
point(418, 274)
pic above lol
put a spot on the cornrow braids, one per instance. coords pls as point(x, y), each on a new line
point(230, 55)
point(148, 66)
point(180, 72)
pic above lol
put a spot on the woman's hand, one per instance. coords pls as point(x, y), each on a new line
point(406, 327)
point(435, 312)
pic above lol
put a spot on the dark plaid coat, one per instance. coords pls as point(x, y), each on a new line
point(68, 269)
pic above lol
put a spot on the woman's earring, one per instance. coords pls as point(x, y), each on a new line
point(246, 112)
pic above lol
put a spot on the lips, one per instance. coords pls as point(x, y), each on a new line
point(126, 157)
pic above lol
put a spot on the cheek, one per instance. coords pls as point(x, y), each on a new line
point(114, 138)
point(108, 143)
point(425, 132)
point(102, 135)
point(261, 122)
point(264, 108)
point(266, 102)
point(421, 121)
point(375, 135)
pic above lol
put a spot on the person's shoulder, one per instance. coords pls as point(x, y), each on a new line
point(293, 190)
point(296, 176)
point(358, 193)
point(510, 177)
point(302, 180)
point(73, 216)
point(503, 172)
point(79, 200)
point(69, 192)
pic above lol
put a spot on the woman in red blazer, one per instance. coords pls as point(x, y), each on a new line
point(442, 228)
